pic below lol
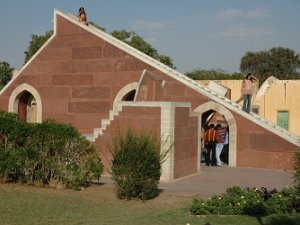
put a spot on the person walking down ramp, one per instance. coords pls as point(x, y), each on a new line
point(247, 91)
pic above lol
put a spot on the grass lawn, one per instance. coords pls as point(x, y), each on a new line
point(23, 204)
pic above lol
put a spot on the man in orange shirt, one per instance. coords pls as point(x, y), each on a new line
point(210, 140)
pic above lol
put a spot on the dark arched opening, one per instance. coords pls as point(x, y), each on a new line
point(129, 96)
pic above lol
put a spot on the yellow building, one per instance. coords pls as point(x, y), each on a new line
point(276, 100)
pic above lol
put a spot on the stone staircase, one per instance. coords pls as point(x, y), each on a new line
point(104, 124)
point(183, 79)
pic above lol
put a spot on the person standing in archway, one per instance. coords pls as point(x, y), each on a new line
point(210, 140)
point(221, 135)
point(225, 151)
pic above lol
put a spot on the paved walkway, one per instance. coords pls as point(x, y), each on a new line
point(215, 180)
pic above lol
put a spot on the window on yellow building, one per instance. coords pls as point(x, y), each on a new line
point(283, 119)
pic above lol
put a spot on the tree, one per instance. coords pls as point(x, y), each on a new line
point(5, 73)
point(36, 43)
point(200, 74)
point(136, 41)
point(282, 63)
point(129, 37)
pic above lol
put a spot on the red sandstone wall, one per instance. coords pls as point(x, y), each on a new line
point(150, 88)
point(185, 146)
point(137, 118)
point(258, 147)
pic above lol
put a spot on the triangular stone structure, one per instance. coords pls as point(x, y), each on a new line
point(100, 85)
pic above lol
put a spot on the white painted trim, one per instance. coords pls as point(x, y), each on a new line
point(199, 142)
point(156, 104)
point(126, 89)
point(139, 84)
point(14, 99)
point(167, 124)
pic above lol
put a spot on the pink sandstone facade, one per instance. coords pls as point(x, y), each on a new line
point(87, 78)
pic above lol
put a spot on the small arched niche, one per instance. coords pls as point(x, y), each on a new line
point(127, 93)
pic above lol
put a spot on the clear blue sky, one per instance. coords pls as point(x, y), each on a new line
point(206, 34)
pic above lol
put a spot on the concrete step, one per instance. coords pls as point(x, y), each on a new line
point(89, 137)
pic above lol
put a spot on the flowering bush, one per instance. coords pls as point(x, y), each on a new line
point(248, 201)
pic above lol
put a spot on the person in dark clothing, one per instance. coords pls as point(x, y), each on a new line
point(210, 140)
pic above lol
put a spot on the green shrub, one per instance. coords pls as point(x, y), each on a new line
point(46, 153)
point(248, 201)
point(235, 201)
point(293, 197)
point(297, 173)
point(136, 165)
point(94, 166)
point(12, 130)
point(255, 207)
point(279, 204)
point(200, 207)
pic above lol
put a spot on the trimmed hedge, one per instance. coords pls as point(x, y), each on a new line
point(46, 153)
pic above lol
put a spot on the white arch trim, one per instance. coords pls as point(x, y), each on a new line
point(126, 89)
point(232, 154)
point(14, 100)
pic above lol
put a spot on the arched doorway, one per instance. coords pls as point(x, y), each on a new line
point(26, 102)
point(205, 111)
point(27, 107)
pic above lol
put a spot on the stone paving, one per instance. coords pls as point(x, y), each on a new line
point(215, 180)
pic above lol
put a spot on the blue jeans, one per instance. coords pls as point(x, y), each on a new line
point(247, 102)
